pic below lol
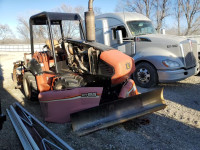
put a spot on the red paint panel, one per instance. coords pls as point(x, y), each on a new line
point(58, 105)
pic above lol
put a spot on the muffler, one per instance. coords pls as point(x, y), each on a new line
point(116, 112)
point(90, 22)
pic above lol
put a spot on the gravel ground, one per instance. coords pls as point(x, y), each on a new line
point(176, 127)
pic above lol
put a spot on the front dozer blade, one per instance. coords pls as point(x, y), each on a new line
point(116, 112)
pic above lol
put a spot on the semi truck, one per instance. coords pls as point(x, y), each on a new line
point(158, 57)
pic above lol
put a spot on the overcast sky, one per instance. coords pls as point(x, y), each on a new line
point(10, 10)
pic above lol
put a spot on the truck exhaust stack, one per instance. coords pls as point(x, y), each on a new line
point(90, 22)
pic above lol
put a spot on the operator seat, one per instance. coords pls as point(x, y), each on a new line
point(58, 49)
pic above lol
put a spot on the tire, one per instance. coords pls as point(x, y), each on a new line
point(145, 75)
point(30, 86)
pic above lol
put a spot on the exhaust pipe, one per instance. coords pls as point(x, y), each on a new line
point(90, 22)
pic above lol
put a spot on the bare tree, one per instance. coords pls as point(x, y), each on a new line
point(178, 13)
point(80, 10)
point(191, 9)
point(39, 32)
point(162, 11)
point(5, 32)
point(149, 8)
point(23, 29)
point(70, 28)
point(141, 6)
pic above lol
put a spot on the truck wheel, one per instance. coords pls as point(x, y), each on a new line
point(145, 75)
point(30, 86)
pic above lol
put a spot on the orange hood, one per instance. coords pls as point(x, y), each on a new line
point(123, 65)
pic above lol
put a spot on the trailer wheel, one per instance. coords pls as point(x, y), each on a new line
point(30, 86)
point(145, 75)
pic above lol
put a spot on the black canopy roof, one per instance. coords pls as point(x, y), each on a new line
point(54, 17)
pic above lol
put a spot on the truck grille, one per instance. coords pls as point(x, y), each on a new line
point(190, 54)
point(195, 51)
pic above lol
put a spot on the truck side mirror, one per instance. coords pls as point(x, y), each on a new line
point(119, 37)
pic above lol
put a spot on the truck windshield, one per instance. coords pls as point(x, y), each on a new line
point(141, 27)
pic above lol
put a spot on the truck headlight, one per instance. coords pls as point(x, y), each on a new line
point(170, 63)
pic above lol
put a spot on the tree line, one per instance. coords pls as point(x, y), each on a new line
point(41, 32)
point(185, 12)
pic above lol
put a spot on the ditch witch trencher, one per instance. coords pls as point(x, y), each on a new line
point(82, 78)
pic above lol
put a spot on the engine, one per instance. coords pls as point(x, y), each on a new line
point(103, 63)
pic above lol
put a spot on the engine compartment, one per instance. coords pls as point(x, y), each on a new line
point(79, 57)
point(82, 59)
